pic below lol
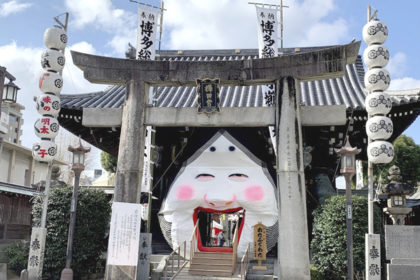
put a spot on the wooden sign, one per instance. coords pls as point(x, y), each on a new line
point(260, 245)
point(208, 100)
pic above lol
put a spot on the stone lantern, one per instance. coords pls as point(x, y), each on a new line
point(397, 192)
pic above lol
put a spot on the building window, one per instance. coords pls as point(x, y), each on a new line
point(13, 118)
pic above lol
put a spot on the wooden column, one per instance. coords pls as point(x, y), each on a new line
point(293, 245)
point(130, 161)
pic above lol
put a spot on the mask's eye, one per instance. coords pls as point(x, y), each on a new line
point(238, 177)
point(203, 177)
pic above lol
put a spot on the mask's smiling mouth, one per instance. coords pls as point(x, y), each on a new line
point(212, 221)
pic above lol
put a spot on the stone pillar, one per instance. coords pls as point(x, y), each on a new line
point(293, 245)
point(130, 161)
point(11, 166)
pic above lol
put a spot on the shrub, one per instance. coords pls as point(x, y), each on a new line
point(17, 256)
point(92, 221)
point(329, 236)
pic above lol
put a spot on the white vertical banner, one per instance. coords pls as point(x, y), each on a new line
point(36, 254)
point(146, 50)
point(146, 33)
point(267, 32)
point(267, 27)
point(359, 175)
point(124, 237)
point(146, 180)
point(373, 256)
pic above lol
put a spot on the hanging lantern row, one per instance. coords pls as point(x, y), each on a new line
point(378, 103)
point(48, 103)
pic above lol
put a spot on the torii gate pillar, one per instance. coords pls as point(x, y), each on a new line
point(285, 71)
point(293, 247)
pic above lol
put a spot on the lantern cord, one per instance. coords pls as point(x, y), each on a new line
point(347, 131)
point(170, 165)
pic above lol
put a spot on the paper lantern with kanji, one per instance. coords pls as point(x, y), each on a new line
point(48, 104)
point(379, 128)
point(55, 38)
point(378, 103)
point(377, 79)
point(44, 151)
point(375, 32)
point(380, 152)
point(46, 127)
point(376, 56)
point(52, 60)
point(51, 82)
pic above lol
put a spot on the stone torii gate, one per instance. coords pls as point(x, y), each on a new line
point(285, 71)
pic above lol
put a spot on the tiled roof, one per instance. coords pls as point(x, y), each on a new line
point(348, 90)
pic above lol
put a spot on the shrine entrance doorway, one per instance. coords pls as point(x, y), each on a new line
point(217, 229)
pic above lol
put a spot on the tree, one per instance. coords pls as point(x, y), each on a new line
point(407, 158)
point(92, 221)
point(329, 236)
point(108, 162)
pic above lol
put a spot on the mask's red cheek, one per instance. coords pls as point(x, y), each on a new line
point(254, 193)
point(184, 192)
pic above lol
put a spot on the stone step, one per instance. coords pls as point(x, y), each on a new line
point(214, 261)
point(205, 266)
point(213, 255)
point(210, 272)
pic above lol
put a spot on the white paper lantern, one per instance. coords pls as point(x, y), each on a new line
point(379, 128)
point(380, 152)
point(55, 38)
point(378, 103)
point(376, 56)
point(375, 32)
point(51, 82)
point(377, 79)
point(44, 151)
point(52, 60)
point(48, 104)
point(46, 127)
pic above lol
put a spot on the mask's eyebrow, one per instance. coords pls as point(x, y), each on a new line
point(204, 175)
point(238, 175)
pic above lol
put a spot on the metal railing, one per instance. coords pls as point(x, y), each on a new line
point(170, 260)
point(245, 263)
point(234, 249)
point(193, 242)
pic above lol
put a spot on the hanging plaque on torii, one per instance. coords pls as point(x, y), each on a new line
point(208, 100)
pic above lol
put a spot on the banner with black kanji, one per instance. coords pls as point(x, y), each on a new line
point(146, 33)
point(267, 32)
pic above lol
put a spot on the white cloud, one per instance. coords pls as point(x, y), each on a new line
point(232, 24)
point(102, 15)
point(24, 63)
point(12, 7)
point(397, 65)
point(404, 83)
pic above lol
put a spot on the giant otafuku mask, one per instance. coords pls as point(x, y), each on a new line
point(220, 177)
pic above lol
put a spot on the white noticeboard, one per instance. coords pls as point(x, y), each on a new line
point(373, 256)
point(123, 244)
point(4, 123)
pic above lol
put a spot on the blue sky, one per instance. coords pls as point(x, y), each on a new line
point(105, 27)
